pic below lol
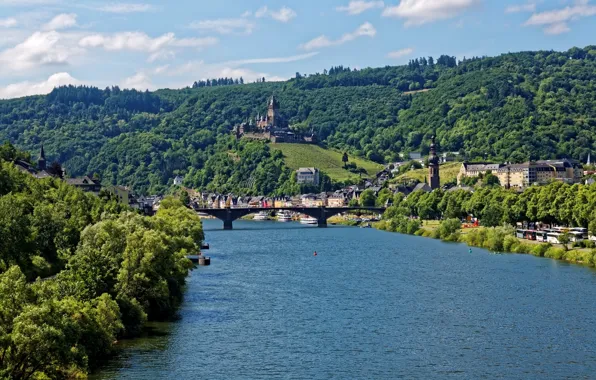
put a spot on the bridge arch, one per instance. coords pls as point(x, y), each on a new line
point(229, 215)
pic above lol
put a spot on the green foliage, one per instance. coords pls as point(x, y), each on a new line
point(326, 160)
point(513, 107)
point(106, 272)
point(368, 198)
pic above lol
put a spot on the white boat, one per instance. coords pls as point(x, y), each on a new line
point(284, 217)
point(308, 220)
point(261, 216)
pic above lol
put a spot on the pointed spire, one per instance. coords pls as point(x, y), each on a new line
point(589, 160)
point(41, 161)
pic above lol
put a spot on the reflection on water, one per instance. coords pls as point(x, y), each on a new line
point(370, 305)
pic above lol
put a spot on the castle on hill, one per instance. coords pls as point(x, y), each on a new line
point(273, 127)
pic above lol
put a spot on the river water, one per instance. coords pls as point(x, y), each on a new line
point(371, 304)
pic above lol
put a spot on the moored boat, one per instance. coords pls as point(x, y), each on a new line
point(284, 216)
point(308, 220)
point(261, 216)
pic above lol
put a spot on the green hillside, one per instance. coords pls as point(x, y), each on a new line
point(326, 160)
point(514, 107)
point(448, 173)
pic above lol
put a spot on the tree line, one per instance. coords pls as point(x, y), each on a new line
point(514, 107)
point(78, 272)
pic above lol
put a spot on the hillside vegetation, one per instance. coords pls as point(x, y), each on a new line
point(105, 270)
point(513, 107)
point(448, 173)
point(329, 161)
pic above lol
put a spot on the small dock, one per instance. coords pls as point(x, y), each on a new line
point(200, 260)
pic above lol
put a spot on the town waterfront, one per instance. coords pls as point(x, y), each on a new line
point(371, 304)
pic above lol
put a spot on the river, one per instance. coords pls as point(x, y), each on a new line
point(371, 304)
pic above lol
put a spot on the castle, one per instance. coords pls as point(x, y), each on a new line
point(273, 127)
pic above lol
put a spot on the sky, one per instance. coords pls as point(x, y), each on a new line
point(170, 44)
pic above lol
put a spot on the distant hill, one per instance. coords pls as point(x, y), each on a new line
point(513, 107)
point(326, 160)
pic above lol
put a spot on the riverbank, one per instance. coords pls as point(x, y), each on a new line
point(495, 239)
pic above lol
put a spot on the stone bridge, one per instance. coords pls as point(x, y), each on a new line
point(228, 215)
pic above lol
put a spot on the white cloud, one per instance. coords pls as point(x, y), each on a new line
point(225, 25)
point(284, 14)
point(62, 21)
point(39, 49)
point(518, 8)
point(270, 60)
point(27, 88)
point(356, 7)
point(159, 47)
point(25, 3)
point(555, 29)
point(8, 22)
point(140, 81)
point(556, 21)
point(400, 53)
point(365, 30)
point(418, 12)
point(126, 8)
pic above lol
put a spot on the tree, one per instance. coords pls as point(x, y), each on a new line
point(344, 159)
point(564, 239)
point(368, 198)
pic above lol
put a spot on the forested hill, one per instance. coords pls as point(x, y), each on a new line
point(513, 107)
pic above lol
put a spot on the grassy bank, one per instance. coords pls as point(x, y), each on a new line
point(497, 239)
point(327, 160)
point(448, 171)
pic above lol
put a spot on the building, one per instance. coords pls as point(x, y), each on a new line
point(337, 199)
point(121, 193)
point(178, 180)
point(307, 176)
point(526, 174)
point(434, 179)
point(41, 161)
point(86, 184)
point(272, 127)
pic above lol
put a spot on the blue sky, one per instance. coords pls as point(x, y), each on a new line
point(157, 44)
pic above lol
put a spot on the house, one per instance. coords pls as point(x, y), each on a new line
point(337, 199)
point(526, 174)
point(280, 202)
point(85, 183)
point(178, 180)
point(121, 193)
point(307, 176)
point(312, 200)
point(422, 187)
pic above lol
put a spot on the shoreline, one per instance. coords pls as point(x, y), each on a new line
point(493, 236)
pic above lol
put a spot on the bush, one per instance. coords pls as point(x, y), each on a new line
point(540, 249)
point(448, 227)
point(555, 253)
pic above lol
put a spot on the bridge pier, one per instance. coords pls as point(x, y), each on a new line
point(322, 222)
point(228, 225)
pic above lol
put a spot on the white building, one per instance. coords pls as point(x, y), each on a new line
point(308, 176)
point(178, 180)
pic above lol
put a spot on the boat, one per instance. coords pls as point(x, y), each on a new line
point(366, 225)
point(308, 220)
point(284, 216)
point(263, 215)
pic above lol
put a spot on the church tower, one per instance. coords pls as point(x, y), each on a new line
point(272, 111)
point(434, 179)
point(41, 161)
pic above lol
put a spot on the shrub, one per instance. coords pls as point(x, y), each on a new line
point(555, 253)
point(540, 249)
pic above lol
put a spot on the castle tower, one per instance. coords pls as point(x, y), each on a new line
point(272, 111)
point(434, 179)
point(41, 161)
